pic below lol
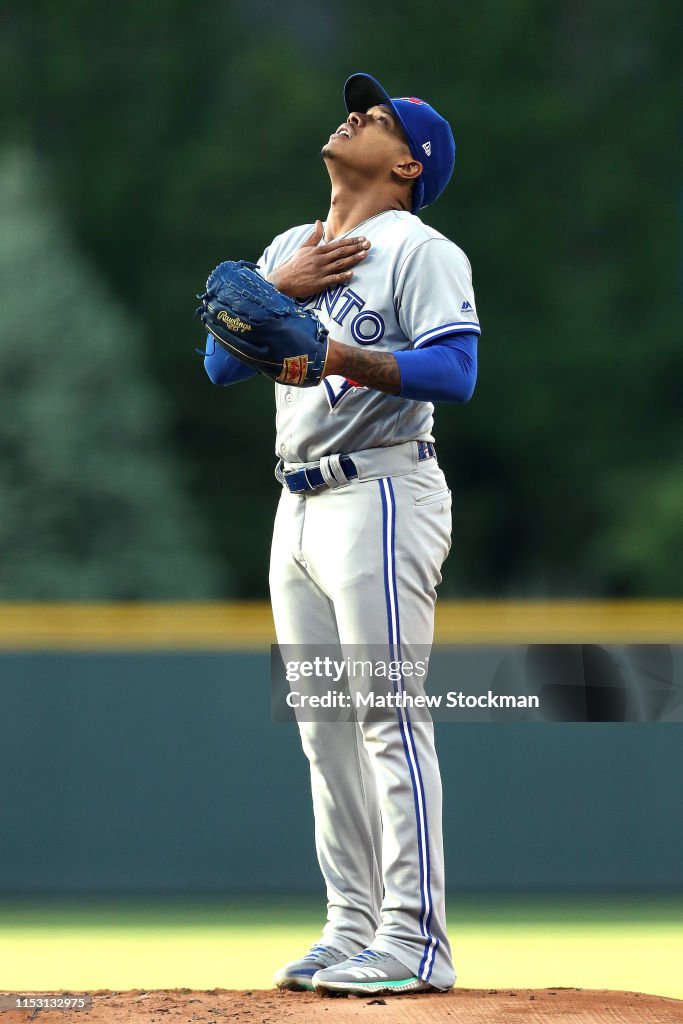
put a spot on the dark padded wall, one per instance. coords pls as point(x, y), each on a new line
point(163, 772)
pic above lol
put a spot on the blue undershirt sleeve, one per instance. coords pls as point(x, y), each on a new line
point(221, 367)
point(444, 370)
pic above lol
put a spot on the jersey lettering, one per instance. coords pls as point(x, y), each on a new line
point(329, 298)
point(351, 300)
point(367, 327)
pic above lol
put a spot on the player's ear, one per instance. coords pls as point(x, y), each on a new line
point(407, 169)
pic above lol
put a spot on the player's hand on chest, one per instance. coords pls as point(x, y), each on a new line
point(314, 267)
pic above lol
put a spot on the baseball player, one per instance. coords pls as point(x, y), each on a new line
point(364, 523)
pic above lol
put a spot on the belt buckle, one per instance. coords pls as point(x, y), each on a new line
point(297, 481)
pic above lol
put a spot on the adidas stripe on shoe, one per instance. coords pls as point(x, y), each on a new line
point(369, 972)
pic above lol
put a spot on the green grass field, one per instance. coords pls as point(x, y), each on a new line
point(606, 942)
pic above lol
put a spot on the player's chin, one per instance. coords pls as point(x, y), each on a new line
point(332, 146)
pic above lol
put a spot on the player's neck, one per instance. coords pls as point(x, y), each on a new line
point(349, 208)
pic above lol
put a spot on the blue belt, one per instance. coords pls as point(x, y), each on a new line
point(300, 481)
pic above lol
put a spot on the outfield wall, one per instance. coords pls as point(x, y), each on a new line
point(136, 757)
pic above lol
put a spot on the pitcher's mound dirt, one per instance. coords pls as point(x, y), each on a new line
point(461, 1006)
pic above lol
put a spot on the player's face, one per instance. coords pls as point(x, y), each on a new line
point(373, 141)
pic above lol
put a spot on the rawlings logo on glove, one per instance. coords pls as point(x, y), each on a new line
point(286, 343)
point(233, 323)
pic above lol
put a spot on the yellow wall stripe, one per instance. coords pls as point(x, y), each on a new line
point(249, 626)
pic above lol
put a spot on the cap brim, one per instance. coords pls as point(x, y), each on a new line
point(361, 92)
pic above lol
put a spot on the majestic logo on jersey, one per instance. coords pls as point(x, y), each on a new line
point(427, 146)
point(366, 326)
point(338, 387)
point(233, 323)
point(466, 307)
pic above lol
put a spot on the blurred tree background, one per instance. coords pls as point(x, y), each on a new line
point(140, 144)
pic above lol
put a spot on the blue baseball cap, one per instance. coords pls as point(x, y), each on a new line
point(429, 135)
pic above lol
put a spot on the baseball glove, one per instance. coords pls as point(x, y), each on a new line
point(262, 327)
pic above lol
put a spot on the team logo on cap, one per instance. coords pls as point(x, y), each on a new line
point(412, 99)
point(427, 146)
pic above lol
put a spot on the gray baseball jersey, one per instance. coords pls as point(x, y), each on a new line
point(413, 286)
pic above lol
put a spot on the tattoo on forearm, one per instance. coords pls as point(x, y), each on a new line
point(377, 370)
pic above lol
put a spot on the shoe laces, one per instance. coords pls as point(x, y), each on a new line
point(364, 956)
point(315, 952)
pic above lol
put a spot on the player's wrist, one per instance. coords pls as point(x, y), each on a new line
point(274, 279)
point(335, 358)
